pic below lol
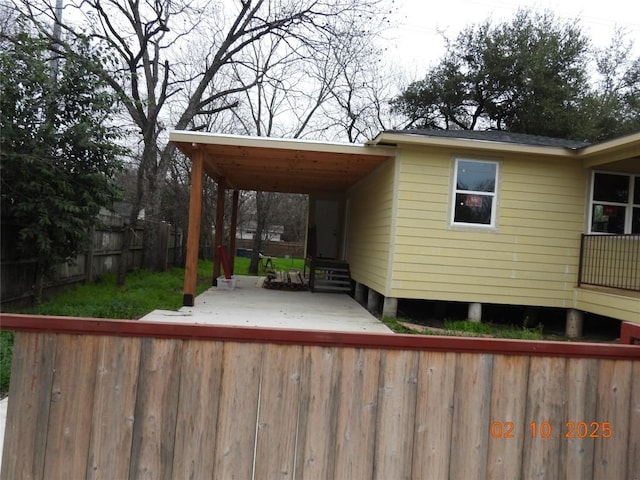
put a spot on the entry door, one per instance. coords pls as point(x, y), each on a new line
point(327, 220)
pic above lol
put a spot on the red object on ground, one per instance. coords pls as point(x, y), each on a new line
point(224, 260)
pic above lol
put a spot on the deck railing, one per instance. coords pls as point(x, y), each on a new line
point(610, 261)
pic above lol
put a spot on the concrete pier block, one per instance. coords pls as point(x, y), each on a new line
point(573, 327)
point(373, 299)
point(360, 294)
point(390, 307)
point(475, 312)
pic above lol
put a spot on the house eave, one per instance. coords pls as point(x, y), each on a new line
point(395, 139)
point(606, 153)
point(182, 137)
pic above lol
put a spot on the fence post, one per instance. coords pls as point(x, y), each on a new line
point(88, 268)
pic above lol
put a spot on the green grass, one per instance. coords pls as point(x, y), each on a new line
point(241, 265)
point(143, 292)
point(495, 330)
point(394, 324)
point(471, 329)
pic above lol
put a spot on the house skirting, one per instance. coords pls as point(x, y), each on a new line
point(618, 304)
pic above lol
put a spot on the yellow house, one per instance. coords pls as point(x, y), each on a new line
point(461, 216)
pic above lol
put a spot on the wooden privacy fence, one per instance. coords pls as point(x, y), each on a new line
point(125, 399)
point(103, 256)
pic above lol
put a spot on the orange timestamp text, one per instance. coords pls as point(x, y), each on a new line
point(546, 430)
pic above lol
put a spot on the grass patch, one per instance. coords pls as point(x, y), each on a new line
point(241, 265)
point(143, 292)
point(495, 330)
point(468, 328)
point(394, 324)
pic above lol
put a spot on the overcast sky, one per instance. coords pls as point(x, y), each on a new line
point(416, 42)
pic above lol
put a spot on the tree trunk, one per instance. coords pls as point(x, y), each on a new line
point(257, 239)
point(129, 229)
point(151, 256)
point(38, 283)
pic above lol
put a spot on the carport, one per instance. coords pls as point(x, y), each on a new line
point(263, 164)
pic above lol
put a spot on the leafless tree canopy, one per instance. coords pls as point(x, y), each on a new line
point(262, 67)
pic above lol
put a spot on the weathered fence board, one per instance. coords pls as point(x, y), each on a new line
point(544, 409)
point(141, 400)
point(200, 378)
point(396, 410)
point(472, 404)
point(357, 413)
point(238, 413)
point(278, 411)
point(28, 410)
point(71, 407)
point(318, 413)
point(508, 394)
point(614, 395)
point(582, 389)
point(156, 409)
point(434, 414)
point(114, 408)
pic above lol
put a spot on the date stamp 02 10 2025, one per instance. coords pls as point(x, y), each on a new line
point(545, 430)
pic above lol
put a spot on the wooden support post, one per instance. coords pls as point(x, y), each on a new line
point(232, 229)
point(219, 233)
point(193, 232)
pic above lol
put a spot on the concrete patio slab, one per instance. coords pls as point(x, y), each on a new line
point(250, 305)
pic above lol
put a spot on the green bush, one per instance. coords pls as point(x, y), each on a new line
point(6, 348)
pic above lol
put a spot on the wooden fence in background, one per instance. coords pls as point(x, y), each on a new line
point(128, 399)
point(103, 256)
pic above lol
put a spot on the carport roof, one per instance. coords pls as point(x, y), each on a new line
point(279, 165)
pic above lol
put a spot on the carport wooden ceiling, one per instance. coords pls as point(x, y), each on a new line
point(277, 165)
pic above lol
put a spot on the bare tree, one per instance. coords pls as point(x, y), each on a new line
point(8, 19)
point(160, 81)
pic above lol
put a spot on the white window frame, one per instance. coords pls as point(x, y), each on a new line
point(629, 205)
point(455, 191)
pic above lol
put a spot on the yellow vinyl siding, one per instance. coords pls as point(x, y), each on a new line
point(602, 302)
point(369, 230)
point(529, 257)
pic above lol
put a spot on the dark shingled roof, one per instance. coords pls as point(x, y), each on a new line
point(497, 136)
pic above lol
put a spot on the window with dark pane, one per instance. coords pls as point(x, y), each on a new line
point(611, 188)
point(608, 219)
point(475, 192)
point(476, 176)
point(615, 205)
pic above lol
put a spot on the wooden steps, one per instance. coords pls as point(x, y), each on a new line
point(330, 276)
